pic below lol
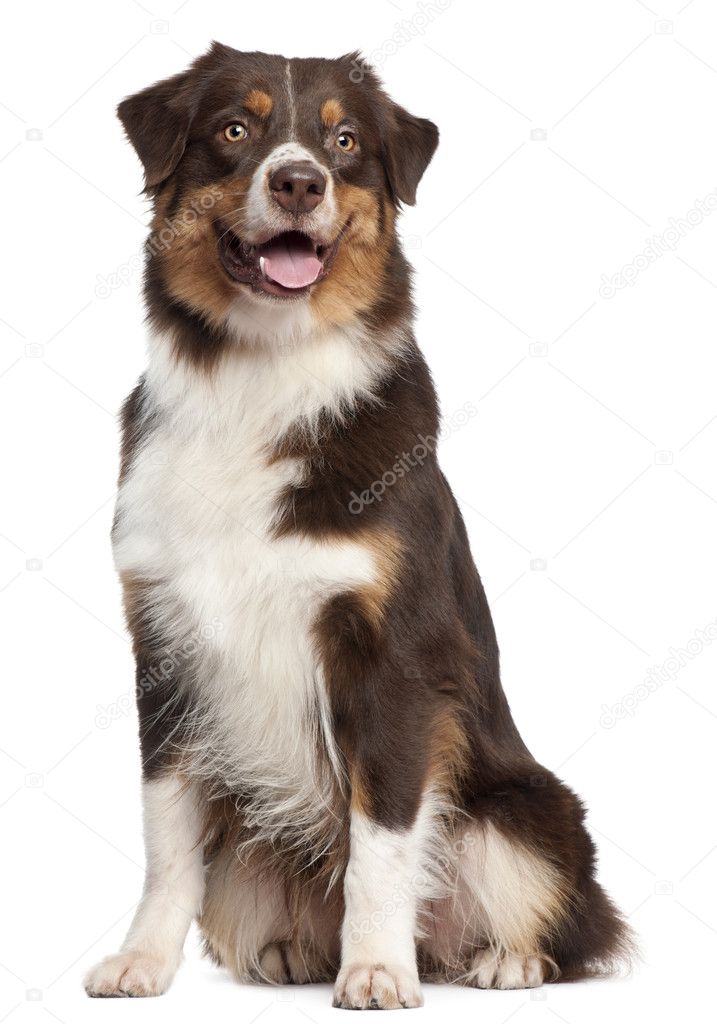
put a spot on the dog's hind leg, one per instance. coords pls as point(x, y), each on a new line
point(526, 907)
point(512, 898)
point(245, 917)
point(265, 923)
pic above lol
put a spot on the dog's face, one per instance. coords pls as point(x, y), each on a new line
point(275, 180)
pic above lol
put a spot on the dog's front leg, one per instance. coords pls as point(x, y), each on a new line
point(384, 728)
point(382, 887)
point(173, 890)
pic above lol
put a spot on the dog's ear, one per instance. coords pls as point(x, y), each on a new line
point(157, 119)
point(408, 144)
point(156, 122)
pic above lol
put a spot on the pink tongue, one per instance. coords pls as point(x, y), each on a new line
point(291, 261)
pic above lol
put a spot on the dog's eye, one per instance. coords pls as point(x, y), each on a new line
point(346, 141)
point(235, 132)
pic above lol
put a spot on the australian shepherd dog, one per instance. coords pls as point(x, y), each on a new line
point(333, 785)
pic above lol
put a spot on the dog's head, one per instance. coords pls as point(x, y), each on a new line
point(275, 181)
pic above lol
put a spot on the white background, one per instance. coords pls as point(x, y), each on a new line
point(588, 477)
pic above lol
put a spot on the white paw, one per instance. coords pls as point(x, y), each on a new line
point(506, 971)
point(130, 974)
point(377, 987)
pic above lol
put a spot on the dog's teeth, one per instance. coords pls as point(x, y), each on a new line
point(262, 261)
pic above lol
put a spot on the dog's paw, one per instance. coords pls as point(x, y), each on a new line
point(130, 974)
point(377, 987)
point(506, 971)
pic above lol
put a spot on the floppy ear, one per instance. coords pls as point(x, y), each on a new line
point(156, 122)
point(408, 146)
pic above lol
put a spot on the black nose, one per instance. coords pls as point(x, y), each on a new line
point(298, 187)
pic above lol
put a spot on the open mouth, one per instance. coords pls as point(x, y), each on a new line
point(286, 265)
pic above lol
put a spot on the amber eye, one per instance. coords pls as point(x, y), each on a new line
point(346, 141)
point(235, 132)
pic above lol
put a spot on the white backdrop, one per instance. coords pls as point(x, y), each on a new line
point(564, 246)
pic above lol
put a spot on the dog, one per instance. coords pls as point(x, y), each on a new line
point(333, 784)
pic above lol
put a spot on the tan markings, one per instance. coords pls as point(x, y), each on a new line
point(360, 796)
point(332, 113)
point(386, 549)
point(135, 598)
point(449, 753)
point(185, 243)
point(355, 280)
point(259, 103)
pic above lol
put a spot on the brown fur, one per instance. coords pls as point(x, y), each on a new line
point(386, 549)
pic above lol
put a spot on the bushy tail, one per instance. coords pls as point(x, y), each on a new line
point(594, 938)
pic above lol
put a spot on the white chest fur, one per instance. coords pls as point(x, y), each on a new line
point(196, 513)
